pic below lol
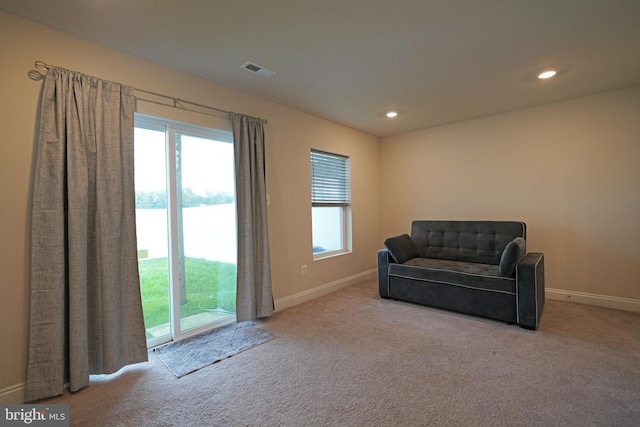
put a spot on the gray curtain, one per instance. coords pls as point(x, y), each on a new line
point(254, 296)
point(86, 312)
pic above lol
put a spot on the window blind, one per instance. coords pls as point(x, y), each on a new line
point(330, 179)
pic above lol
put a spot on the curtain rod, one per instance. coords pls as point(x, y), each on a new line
point(43, 66)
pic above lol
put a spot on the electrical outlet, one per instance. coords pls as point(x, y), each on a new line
point(303, 269)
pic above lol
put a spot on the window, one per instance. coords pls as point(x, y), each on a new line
point(330, 204)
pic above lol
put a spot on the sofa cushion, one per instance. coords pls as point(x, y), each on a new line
point(513, 252)
point(401, 248)
point(479, 242)
point(455, 273)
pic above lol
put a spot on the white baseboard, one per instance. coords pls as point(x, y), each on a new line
point(618, 303)
point(13, 395)
point(299, 298)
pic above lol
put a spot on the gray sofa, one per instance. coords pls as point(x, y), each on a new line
point(474, 267)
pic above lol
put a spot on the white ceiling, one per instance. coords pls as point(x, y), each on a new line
point(349, 61)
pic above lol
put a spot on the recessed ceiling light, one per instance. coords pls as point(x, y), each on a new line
point(392, 114)
point(547, 74)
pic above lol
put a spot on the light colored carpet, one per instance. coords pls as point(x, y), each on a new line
point(352, 359)
point(193, 353)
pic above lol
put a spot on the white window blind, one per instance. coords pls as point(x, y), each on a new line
point(330, 179)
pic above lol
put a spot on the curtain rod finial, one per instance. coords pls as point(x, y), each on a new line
point(42, 66)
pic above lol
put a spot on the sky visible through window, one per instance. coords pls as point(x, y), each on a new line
point(207, 164)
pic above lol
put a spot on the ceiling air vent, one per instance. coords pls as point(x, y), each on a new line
point(258, 69)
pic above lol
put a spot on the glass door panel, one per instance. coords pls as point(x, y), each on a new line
point(186, 228)
point(151, 230)
point(206, 229)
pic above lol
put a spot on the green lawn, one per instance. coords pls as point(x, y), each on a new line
point(210, 285)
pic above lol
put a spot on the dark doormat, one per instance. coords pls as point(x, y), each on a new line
point(193, 353)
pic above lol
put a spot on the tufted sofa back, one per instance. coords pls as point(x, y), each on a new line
point(469, 241)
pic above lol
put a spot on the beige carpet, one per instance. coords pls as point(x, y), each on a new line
point(352, 359)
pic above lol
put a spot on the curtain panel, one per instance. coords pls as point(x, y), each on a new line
point(86, 311)
point(254, 293)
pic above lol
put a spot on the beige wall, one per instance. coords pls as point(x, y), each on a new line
point(289, 135)
point(570, 170)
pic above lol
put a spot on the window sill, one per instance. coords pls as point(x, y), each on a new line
point(330, 255)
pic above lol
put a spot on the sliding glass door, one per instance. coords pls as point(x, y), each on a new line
point(186, 226)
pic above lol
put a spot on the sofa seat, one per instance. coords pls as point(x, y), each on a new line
point(456, 273)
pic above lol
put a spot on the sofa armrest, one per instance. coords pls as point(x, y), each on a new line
point(384, 259)
point(530, 290)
